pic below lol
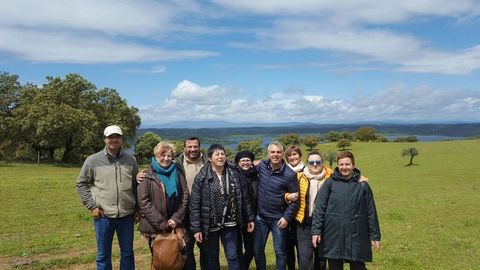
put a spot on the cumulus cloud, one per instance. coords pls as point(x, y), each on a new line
point(192, 102)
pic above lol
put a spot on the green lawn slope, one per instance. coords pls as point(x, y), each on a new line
point(429, 212)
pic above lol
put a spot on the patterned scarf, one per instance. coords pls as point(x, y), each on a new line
point(316, 181)
point(167, 176)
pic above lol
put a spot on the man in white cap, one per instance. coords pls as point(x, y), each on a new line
point(107, 188)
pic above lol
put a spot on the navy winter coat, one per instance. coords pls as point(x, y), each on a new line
point(346, 218)
point(272, 186)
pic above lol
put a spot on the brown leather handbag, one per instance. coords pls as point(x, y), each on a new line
point(169, 250)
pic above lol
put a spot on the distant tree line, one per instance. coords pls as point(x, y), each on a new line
point(146, 142)
point(61, 120)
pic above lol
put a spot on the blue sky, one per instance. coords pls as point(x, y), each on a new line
point(258, 61)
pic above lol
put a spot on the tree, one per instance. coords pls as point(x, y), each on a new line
point(178, 144)
point(144, 146)
point(254, 145)
point(381, 138)
point(330, 157)
point(289, 139)
point(229, 153)
point(411, 152)
point(333, 136)
point(411, 138)
point(365, 134)
point(343, 143)
point(310, 141)
point(70, 114)
point(348, 135)
point(10, 92)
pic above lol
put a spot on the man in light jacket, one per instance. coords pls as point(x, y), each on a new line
point(107, 188)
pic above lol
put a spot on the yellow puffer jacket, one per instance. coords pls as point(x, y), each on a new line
point(303, 182)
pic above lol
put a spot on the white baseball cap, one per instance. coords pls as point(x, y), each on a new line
point(112, 130)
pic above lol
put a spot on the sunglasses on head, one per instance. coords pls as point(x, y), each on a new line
point(314, 162)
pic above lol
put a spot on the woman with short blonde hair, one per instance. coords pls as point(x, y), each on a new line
point(163, 195)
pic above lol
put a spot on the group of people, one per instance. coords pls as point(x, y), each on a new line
point(329, 216)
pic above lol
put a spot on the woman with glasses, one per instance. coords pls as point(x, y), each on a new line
point(344, 219)
point(310, 181)
point(244, 163)
point(219, 206)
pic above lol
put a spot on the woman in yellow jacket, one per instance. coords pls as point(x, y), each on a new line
point(310, 181)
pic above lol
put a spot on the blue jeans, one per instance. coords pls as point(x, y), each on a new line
point(104, 230)
point(210, 249)
point(263, 226)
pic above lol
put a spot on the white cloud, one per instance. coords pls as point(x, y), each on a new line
point(112, 31)
point(90, 31)
point(67, 47)
point(353, 29)
point(463, 105)
point(407, 53)
point(192, 94)
point(138, 18)
point(189, 101)
point(151, 70)
point(359, 11)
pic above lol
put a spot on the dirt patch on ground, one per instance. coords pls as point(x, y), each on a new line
point(142, 258)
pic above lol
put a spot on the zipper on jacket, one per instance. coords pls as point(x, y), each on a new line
point(116, 182)
point(164, 196)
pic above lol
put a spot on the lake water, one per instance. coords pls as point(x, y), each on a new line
point(232, 142)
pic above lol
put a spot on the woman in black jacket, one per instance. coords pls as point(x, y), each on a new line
point(244, 163)
point(219, 205)
point(344, 220)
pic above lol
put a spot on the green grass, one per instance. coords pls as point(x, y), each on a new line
point(428, 212)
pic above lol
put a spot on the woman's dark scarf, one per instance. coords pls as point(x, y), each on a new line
point(250, 173)
point(167, 176)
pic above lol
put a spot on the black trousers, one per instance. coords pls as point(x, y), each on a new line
point(338, 265)
point(291, 245)
point(308, 256)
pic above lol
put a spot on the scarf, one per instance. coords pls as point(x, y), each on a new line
point(249, 174)
point(297, 168)
point(167, 176)
point(316, 181)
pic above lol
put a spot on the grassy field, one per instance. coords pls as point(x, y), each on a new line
point(428, 212)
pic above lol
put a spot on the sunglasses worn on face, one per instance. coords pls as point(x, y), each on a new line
point(314, 162)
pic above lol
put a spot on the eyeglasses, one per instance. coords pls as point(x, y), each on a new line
point(314, 162)
point(247, 160)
